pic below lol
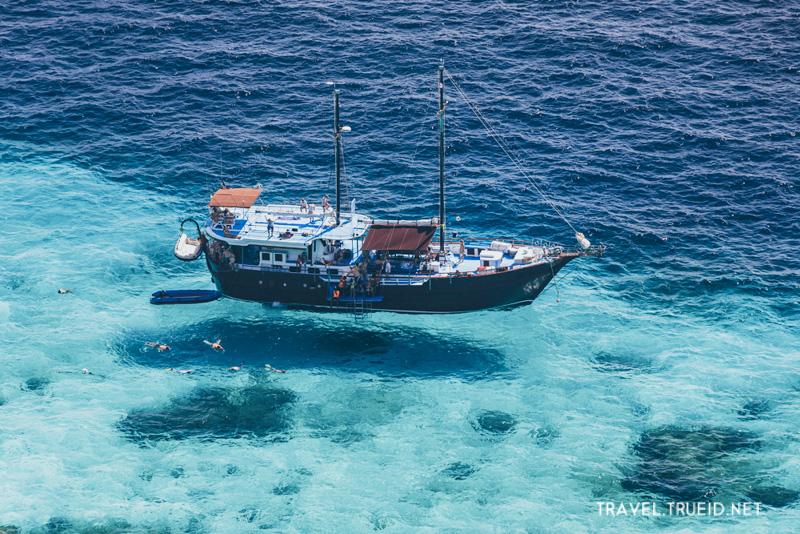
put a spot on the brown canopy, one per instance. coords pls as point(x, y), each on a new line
point(398, 237)
point(234, 198)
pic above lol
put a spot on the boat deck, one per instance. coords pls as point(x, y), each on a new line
point(291, 225)
point(296, 228)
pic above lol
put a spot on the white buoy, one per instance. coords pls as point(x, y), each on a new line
point(582, 241)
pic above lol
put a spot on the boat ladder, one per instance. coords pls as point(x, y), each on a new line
point(359, 302)
point(362, 305)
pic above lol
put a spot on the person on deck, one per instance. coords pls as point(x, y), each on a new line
point(216, 214)
point(227, 232)
point(270, 227)
point(303, 205)
point(462, 249)
point(325, 204)
point(387, 267)
point(430, 256)
point(373, 284)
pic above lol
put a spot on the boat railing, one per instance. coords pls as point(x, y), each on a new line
point(317, 269)
point(295, 209)
point(552, 246)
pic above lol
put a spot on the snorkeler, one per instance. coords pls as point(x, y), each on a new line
point(236, 367)
point(215, 346)
point(268, 367)
point(159, 346)
point(64, 291)
point(181, 371)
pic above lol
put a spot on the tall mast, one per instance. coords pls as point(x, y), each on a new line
point(441, 160)
point(337, 139)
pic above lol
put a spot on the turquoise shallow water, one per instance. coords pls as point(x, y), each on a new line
point(398, 422)
point(664, 371)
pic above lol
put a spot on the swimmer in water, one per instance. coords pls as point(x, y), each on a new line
point(159, 346)
point(236, 367)
point(268, 367)
point(64, 291)
point(181, 371)
point(215, 346)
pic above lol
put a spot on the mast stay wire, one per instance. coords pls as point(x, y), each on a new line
point(416, 149)
point(344, 173)
point(457, 124)
point(507, 150)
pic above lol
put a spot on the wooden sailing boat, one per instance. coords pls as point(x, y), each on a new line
point(298, 254)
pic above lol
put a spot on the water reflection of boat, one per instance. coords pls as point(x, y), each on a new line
point(333, 259)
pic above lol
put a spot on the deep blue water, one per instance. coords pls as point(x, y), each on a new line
point(667, 370)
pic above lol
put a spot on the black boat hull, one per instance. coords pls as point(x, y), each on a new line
point(435, 295)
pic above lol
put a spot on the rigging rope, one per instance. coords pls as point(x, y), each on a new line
point(423, 123)
point(507, 149)
point(344, 173)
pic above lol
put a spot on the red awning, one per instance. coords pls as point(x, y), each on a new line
point(398, 237)
point(234, 198)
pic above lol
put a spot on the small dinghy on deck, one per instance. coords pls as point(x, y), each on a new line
point(188, 249)
point(184, 296)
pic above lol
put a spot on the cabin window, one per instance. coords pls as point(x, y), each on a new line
point(484, 263)
point(265, 257)
point(278, 257)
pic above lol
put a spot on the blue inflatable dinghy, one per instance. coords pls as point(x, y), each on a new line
point(184, 296)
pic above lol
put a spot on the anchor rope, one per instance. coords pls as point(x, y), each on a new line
point(506, 148)
point(562, 277)
point(555, 282)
